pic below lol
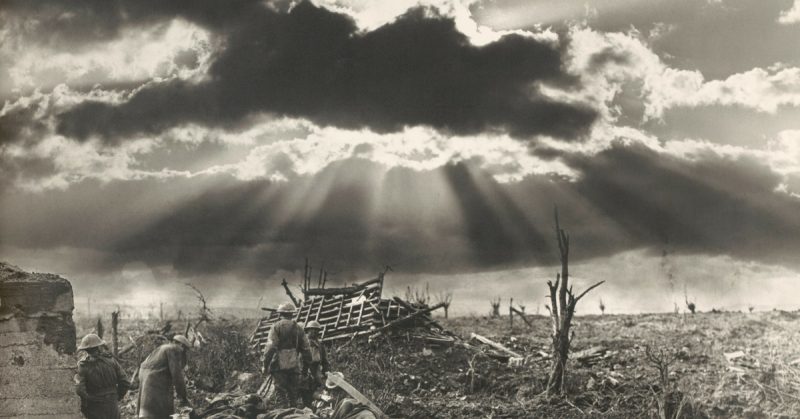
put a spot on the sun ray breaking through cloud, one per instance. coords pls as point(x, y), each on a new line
point(226, 142)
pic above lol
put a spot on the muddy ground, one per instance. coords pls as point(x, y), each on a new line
point(408, 377)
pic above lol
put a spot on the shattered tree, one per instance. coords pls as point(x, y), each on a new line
point(562, 308)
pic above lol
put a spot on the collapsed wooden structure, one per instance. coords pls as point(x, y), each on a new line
point(357, 310)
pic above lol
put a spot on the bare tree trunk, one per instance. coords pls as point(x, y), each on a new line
point(495, 307)
point(562, 308)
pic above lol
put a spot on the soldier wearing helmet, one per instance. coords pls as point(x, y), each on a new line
point(101, 380)
point(285, 343)
point(159, 374)
point(319, 362)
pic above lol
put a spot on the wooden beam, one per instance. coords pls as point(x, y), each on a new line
point(308, 312)
point(360, 314)
point(343, 291)
point(289, 293)
point(495, 345)
point(413, 309)
point(405, 319)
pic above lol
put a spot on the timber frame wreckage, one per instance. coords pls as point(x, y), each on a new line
point(360, 310)
point(356, 310)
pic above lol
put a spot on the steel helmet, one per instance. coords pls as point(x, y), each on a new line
point(182, 340)
point(91, 341)
point(313, 324)
point(286, 308)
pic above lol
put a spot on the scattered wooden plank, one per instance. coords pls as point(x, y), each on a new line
point(342, 291)
point(407, 318)
point(495, 345)
point(592, 352)
point(412, 309)
point(366, 313)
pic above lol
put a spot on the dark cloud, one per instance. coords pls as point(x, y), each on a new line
point(315, 64)
point(21, 124)
point(713, 205)
point(359, 217)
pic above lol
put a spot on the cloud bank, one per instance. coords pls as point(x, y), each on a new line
point(315, 64)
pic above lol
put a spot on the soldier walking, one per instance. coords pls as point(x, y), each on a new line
point(285, 343)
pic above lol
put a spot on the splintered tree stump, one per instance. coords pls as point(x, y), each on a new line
point(562, 308)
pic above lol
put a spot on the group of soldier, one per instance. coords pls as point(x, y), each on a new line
point(102, 383)
point(288, 341)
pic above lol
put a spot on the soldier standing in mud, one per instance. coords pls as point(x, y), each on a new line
point(319, 362)
point(101, 381)
point(286, 341)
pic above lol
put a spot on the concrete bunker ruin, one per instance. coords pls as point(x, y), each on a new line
point(37, 345)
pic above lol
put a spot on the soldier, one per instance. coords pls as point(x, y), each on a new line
point(286, 339)
point(101, 380)
point(159, 374)
point(319, 362)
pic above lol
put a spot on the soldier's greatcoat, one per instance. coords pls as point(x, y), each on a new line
point(159, 375)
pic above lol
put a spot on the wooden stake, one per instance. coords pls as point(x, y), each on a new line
point(521, 314)
point(289, 293)
point(114, 331)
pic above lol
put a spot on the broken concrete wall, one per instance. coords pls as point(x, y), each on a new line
point(37, 346)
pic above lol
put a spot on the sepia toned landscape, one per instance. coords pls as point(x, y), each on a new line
point(371, 209)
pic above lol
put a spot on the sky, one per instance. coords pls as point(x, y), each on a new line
point(147, 144)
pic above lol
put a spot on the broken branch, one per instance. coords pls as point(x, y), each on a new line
point(406, 319)
point(589, 289)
